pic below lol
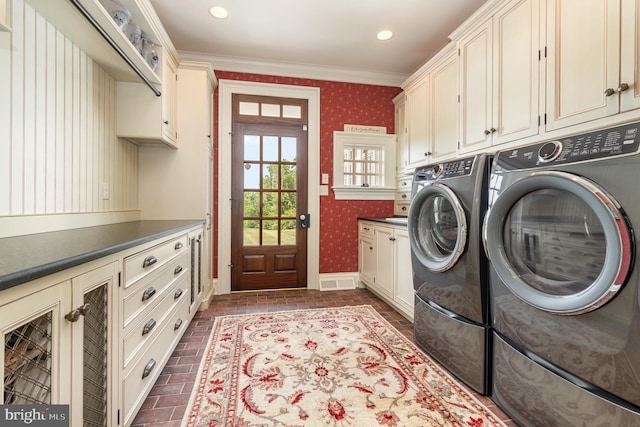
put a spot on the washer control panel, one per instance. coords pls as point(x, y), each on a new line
point(610, 142)
point(451, 169)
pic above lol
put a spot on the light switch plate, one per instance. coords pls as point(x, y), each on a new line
point(324, 190)
point(325, 178)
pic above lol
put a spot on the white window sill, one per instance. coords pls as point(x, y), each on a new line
point(364, 193)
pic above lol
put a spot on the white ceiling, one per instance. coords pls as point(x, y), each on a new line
point(334, 37)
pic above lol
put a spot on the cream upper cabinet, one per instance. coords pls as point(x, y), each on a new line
point(416, 104)
point(144, 118)
point(400, 130)
point(630, 55)
point(443, 108)
point(499, 77)
point(583, 60)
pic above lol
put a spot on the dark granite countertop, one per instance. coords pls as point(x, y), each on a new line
point(29, 257)
point(397, 220)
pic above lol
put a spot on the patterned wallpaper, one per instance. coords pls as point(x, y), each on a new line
point(340, 104)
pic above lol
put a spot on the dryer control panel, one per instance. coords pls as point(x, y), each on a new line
point(454, 168)
point(605, 143)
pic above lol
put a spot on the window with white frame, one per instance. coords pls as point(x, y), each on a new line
point(363, 166)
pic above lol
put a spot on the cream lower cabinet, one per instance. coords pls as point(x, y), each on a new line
point(97, 336)
point(61, 344)
point(385, 264)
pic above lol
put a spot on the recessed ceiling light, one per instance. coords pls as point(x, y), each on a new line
point(219, 12)
point(385, 35)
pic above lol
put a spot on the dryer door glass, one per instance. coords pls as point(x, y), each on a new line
point(559, 242)
point(555, 242)
point(437, 227)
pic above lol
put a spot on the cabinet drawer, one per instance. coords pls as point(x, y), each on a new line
point(143, 263)
point(140, 333)
point(403, 196)
point(366, 228)
point(143, 374)
point(404, 184)
point(401, 208)
point(147, 293)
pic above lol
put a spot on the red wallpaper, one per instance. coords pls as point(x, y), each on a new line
point(340, 104)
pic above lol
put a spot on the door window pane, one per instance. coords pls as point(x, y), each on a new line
point(252, 147)
point(251, 232)
point(270, 204)
point(271, 110)
point(291, 111)
point(249, 108)
point(270, 177)
point(251, 175)
point(251, 204)
point(270, 232)
point(270, 147)
point(288, 232)
point(437, 228)
point(289, 149)
point(288, 177)
point(288, 205)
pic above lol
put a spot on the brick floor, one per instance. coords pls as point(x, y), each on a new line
point(167, 400)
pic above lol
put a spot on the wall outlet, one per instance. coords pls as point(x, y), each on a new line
point(324, 190)
point(105, 191)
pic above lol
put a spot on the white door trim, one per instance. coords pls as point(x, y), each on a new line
point(226, 88)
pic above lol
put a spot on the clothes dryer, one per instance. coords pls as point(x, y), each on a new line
point(445, 217)
point(564, 290)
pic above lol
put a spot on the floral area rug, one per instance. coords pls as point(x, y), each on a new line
point(325, 367)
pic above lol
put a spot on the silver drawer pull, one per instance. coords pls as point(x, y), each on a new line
point(178, 245)
point(148, 261)
point(177, 270)
point(148, 368)
point(148, 327)
point(404, 208)
point(178, 293)
point(404, 196)
point(148, 293)
point(177, 324)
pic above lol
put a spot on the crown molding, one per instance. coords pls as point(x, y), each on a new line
point(304, 71)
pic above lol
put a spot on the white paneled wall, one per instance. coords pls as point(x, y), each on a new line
point(58, 148)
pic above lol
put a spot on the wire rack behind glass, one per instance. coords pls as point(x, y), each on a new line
point(95, 358)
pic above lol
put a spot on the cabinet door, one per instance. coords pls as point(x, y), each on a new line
point(583, 60)
point(475, 74)
point(94, 347)
point(401, 132)
point(384, 260)
point(169, 101)
point(367, 259)
point(403, 272)
point(37, 342)
point(630, 55)
point(443, 108)
point(417, 124)
point(516, 59)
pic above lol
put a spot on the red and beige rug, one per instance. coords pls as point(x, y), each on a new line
point(326, 367)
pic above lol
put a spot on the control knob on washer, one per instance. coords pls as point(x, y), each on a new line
point(437, 170)
point(549, 151)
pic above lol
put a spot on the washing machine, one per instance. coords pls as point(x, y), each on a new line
point(564, 281)
point(451, 321)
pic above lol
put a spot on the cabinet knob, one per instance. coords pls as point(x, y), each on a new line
point(428, 153)
point(178, 246)
point(166, 122)
point(492, 130)
point(404, 196)
point(177, 325)
point(393, 239)
point(177, 270)
point(623, 87)
point(177, 294)
point(404, 208)
point(609, 92)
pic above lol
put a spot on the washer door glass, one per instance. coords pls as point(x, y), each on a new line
point(437, 227)
point(559, 242)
